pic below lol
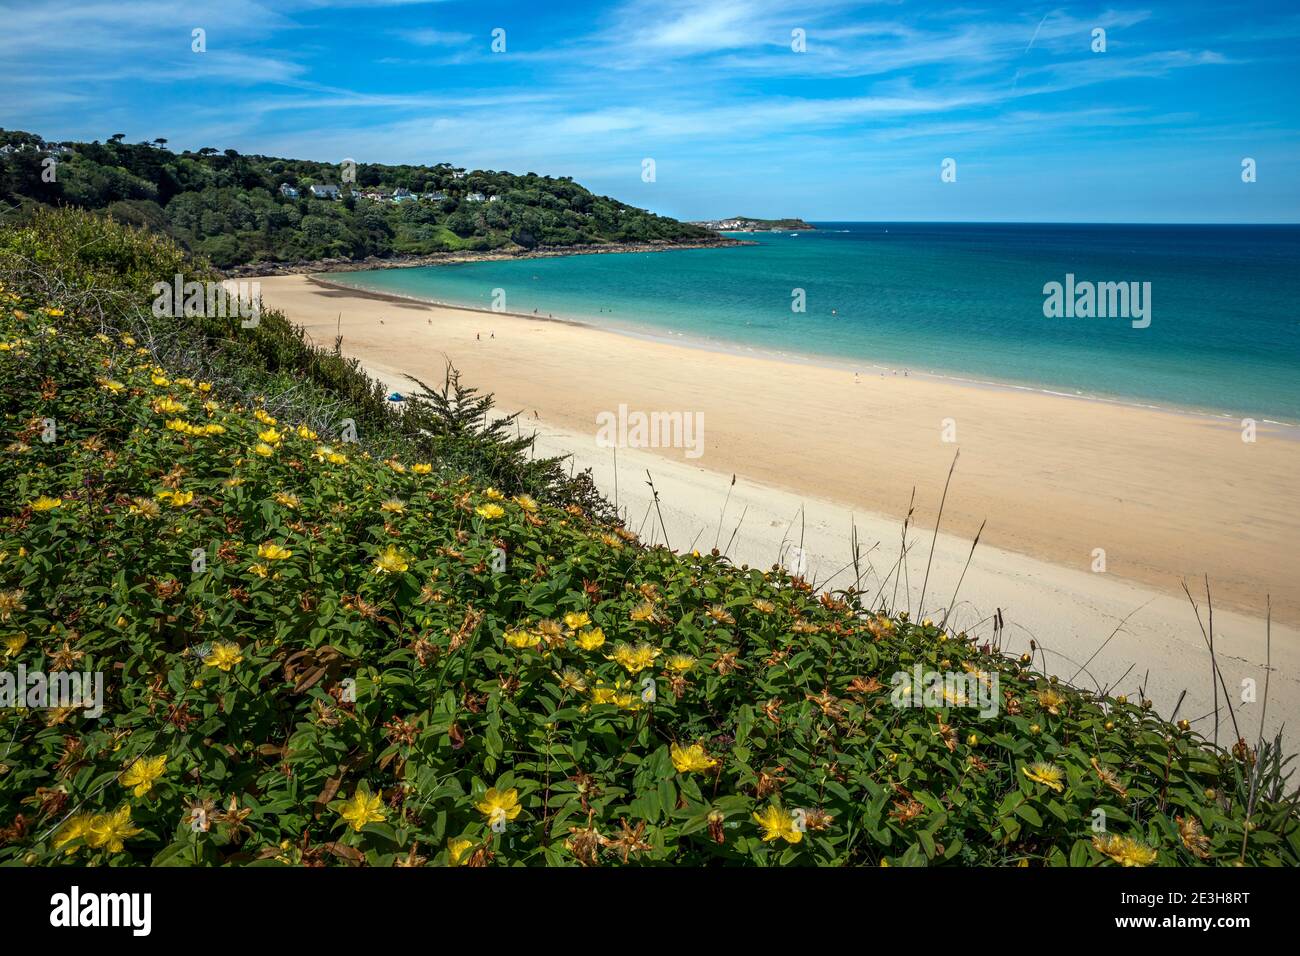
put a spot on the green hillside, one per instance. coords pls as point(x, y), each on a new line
point(229, 207)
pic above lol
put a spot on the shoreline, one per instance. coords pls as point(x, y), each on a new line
point(265, 269)
point(1287, 429)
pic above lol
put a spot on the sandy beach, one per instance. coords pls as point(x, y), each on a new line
point(1167, 496)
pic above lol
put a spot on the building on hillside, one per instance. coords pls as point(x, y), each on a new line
point(328, 191)
point(287, 191)
point(436, 196)
point(475, 197)
point(402, 194)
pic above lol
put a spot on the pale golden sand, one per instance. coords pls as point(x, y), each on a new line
point(1168, 496)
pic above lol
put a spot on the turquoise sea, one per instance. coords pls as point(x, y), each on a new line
point(953, 299)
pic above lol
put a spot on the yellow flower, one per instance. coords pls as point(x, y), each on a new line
point(634, 659)
point(261, 570)
point(233, 482)
point(778, 824)
point(493, 495)
point(110, 384)
point(1048, 774)
point(44, 503)
point(11, 601)
point(499, 805)
point(306, 433)
point(128, 341)
point(766, 607)
point(271, 436)
point(576, 619)
point(522, 638)
point(77, 827)
point(397, 466)
point(526, 502)
point(144, 773)
point(691, 759)
point(364, 808)
point(160, 380)
point(178, 498)
point(1050, 701)
point(263, 449)
point(109, 830)
point(645, 611)
point(1193, 836)
point(168, 406)
point(394, 505)
point(952, 697)
point(680, 663)
point(263, 417)
point(14, 644)
point(390, 561)
point(224, 655)
point(591, 638)
point(571, 680)
point(456, 850)
point(489, 511)
point(286, 499)
point(273, 552)
point(423, 469)
point(1125, 851)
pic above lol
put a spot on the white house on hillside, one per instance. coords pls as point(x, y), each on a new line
point(325, 192)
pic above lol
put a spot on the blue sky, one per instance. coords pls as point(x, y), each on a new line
point(1042, 128)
